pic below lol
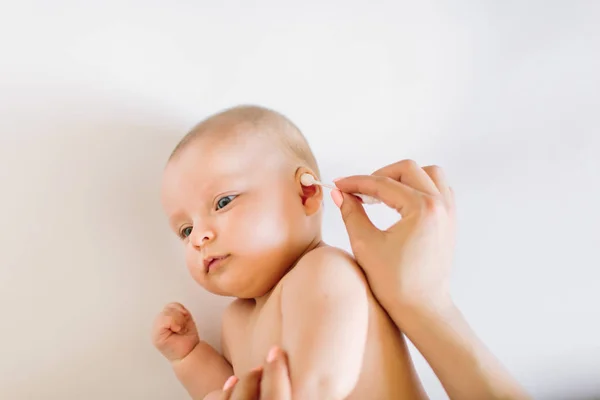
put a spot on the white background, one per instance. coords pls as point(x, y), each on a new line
point(503, 94)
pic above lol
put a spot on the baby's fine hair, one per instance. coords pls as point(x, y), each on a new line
point(252, 119)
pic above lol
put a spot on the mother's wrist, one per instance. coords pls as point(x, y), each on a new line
point(406, 310)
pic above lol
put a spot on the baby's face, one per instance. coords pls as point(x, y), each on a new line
point(237, 206)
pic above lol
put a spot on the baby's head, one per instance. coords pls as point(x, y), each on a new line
point(231, 190)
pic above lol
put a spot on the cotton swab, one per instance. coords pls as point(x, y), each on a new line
point(309, 180)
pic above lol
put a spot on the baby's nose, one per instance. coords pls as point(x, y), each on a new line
point(201, 237)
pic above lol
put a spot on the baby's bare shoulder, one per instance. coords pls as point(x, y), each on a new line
point(325, 265)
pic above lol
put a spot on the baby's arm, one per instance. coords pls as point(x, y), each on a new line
point(203, 371)
point(325, 323)
point(197, 365)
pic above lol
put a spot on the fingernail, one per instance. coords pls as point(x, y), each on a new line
point(337, 197)
point(230, 382)
point(272, 354)
point(337, 179)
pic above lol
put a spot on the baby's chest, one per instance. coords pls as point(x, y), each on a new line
point(256, 335)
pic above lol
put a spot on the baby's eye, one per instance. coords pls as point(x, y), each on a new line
point(223, 201)
point(185, 232)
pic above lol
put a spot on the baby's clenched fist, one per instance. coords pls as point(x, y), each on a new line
point(174, 333)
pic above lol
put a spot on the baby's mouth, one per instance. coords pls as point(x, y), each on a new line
point(211, 263)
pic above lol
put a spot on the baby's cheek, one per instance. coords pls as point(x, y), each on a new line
point(262, 230)
point(192, 262)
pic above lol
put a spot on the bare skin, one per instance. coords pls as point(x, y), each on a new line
point(408, 267)
point(355, 350)
point(239, 201)
point(263, 383)
point(400, 264)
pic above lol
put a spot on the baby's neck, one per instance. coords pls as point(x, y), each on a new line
point(315, 243)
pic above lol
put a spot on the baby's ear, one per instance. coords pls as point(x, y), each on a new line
point(311, 195)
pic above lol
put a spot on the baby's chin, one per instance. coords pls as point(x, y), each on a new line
point(244, 277)
point(243, 287)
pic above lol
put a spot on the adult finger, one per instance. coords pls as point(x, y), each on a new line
point(439, 179)
point(248, 387)
point(395, 194)
point(275, 384)
point(359, 226)
point(409, 173)
point(228, 388)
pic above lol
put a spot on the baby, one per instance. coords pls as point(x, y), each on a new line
point(251, 230)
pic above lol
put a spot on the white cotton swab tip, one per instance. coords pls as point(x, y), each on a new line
point(309, 180)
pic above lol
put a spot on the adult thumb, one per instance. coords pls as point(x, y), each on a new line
point(359, 226)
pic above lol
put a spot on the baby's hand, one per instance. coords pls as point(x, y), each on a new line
point(174, 333)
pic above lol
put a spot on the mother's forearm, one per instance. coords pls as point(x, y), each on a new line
point(460, 360)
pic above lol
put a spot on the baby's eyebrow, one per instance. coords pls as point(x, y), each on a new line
point(173, 220)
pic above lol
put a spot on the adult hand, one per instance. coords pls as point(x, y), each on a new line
point(268, 382)
point(408, 268)
point(409, 263)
